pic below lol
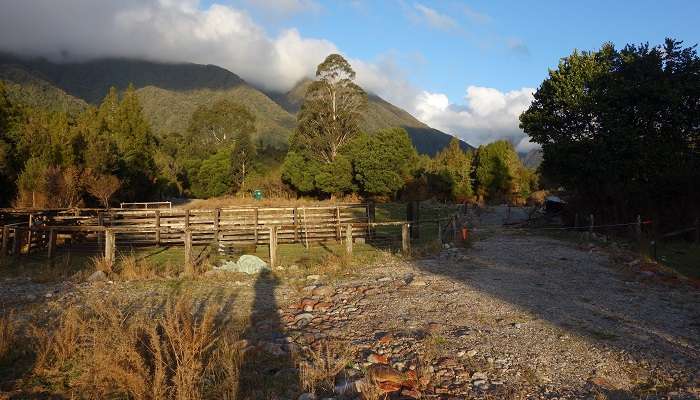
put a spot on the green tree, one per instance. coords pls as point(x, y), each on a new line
point(32, 183)
point(619, 128)
point(300, 172)
point(214, 175)
point(330, 115)
point(458, 164)
point(497, 171)
point(8, 152)
point(383, 162)
point(242, 157)
point(335, 178)
point(218, 125)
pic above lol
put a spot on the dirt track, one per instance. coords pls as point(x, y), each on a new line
point(514, 316)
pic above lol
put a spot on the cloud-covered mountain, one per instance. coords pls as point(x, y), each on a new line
point(226, 35)
point(170, 92)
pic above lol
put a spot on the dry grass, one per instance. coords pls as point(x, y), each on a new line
point(106, 350)
point(132, 268)
point(8, 332)
point(100, 263)
point(55, 347)
point(320, 366)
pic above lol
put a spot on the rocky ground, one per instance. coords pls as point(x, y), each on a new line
point(515, 315)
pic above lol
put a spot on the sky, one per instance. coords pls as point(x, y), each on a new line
point(468, 68)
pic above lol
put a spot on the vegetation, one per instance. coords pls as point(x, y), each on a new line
point(73, 156)
point(619, 129)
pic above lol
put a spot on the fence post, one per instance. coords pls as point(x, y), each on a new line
point(187, 219)
point(590, 227)
point(371, 215)
point(217, 215)
point(348, 240)
point(17, 242)
point(5, 240)
point(30, 233)
point(157, 227)
point(188, 251)
point(405, 239)
point(100, 222)
point(110, 246)
point(337, 223)
point(638, 229)
point(256, 226)
point(273, 246)
point(439, 231)
point(52, 243)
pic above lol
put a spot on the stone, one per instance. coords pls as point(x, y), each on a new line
point(322, 291)
point(247, 264)
point(307, 396)
point(323, 306)
point(377, 359)
point(418, 282)
point(301, 316)
point(472, 353)
point(385, 373)
point(97, 276)
point(313, 277)
point(308, 289)
point(479, 376)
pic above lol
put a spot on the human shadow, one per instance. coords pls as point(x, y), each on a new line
point(267, 367)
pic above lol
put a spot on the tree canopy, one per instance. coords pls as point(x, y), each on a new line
point(621, 127)
point(330, 115)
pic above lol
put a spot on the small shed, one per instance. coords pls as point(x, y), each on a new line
point(554, 204)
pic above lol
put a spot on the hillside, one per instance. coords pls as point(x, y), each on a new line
point(31, 90)
point(171, 92)
point(532, 159)
point(169, 111)
point(380, 114)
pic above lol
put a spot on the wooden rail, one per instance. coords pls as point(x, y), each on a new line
point(225, 227)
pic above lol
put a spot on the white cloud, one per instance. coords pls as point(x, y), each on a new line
point(476, 16)
point(167, 30)
point(433, 18)
point(488, 115)
point(181, 30)
point(285, 7)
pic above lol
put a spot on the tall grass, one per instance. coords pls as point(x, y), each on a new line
point(104, 350)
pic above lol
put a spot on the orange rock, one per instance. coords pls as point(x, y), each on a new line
point(384, 373)
point(386, 338)
point(323, 306)
point(377, 359)
point(388, 387)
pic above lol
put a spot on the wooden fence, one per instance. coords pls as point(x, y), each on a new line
point(167, 227)
point(104, 231)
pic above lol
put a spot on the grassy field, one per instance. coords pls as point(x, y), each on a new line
point(684, 257)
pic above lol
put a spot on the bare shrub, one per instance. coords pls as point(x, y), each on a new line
point(178, 356)
point(319, 366)
point(100, 263)
point(132, 268)
point(101, 186)
point(55, 347)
